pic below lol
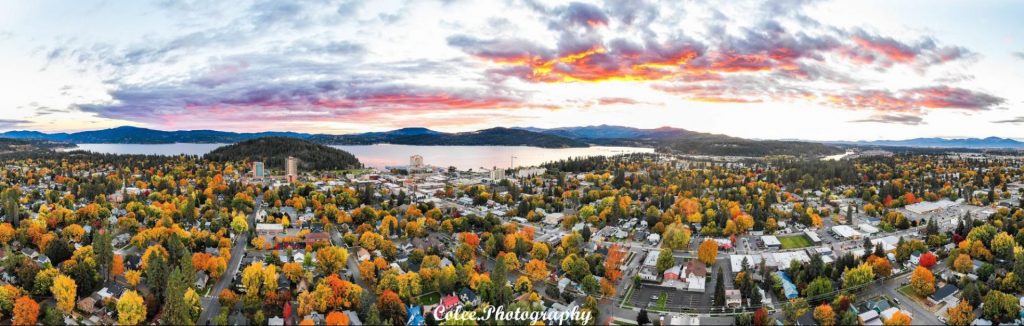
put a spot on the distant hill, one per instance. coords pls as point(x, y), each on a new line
point(404, 136)
point(971, 143)
point(682, 141)
point(274, 150)
point(11, 145)
point(136, 135)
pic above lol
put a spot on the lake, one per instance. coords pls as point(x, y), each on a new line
point(381, 155)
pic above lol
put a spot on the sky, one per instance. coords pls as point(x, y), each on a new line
point(784, 69)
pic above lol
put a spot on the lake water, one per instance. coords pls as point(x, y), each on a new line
point(381, 155)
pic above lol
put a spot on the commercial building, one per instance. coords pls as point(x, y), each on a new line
point(258, 170)
point(846, 232)
point(291, 167)
point(498, 174)
point(771, 242)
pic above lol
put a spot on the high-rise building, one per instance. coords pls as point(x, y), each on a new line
point(416, 161)
point(498, 174)
point(257, 170)
point(291, 168)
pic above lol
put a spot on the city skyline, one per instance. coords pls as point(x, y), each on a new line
point(818, 70)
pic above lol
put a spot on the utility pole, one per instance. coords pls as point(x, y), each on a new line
point(511, 162)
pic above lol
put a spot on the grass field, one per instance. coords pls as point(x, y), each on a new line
point(662, 301)
point(430, 298)
point(795, 241)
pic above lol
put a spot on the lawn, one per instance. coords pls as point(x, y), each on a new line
point(662, 301)
point(430, 298)
point(795, 241)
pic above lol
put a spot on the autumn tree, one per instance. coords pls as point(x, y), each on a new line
point(612, 262)
point(337, 318)
point(824, 315)
point(960, 315)
point(133, 277)
point(927, 260)
point(860, 275)
point(63, 290)
point(330, 259)
point(131, 310)
point(26, 311)
point(922, 281)
point(708, 252)
point(677, 236)
point(536, 270)
point(897, 319)
point(1000, 307)
point(391, 307)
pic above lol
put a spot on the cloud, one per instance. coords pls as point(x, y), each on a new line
point(12, 123)
point(904, 119)
point(917, 100)
point(1012, 120)
point(1019, 55)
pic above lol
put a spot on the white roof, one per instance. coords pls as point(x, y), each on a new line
point(782, 259)
point(813, 235)
point(845, 231)
point(696, 283)
point(924, 207)
point(770, 240)
point(269, 227)
point(867, 228)
point(736, 262)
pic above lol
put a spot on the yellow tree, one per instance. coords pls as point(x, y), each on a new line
point(131, 310)
point(330, 259)
point(133, 277)
point(708, 252)
point(922, 281)
point(960, 315)
point(63, 290)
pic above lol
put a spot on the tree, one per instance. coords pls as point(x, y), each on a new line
point(1000, 307)
point(409, 286)
point(960, 315)
point(536, 270)
point(194, 302)
point(239, 224)
point(665, 260)
point(708, 252)
point(133, 277)
point(677, 236)
point(131, 310)
point(793, 309)
point(576, 267)
point(156, 273)
point(719, 298)
point(927, 260)
point(642, 318)
point(820, 286)
point(337, 318)
point(897, 319)
point(860, 275)
point(922, 281)
point(963, 264)
point(176, 311)
point(330, 259)
point(391, 307)
point(26, 311)
point(63, 290)
point(824, 315)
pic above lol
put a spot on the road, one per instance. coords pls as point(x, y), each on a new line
point(211, 302)
point(889, 289)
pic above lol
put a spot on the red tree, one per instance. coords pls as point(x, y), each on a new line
point(927, 260)
point(760, 317)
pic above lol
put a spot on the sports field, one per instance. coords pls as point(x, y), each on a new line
point(795, 241)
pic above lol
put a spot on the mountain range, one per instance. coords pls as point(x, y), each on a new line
point(664, 139)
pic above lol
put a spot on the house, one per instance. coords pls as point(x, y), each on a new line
point(733, 298)
point(275, 321)
point(943, 293)
point(414, 316)
point(447, 303)
point(672, 273)
point(468, 297)
point(870, 317)
point(269, 229)
point(201, 279)
point(654, 238)
point(695, 274)
point(87, 304)
point(771, 242)
point(649, 273)
point(787, 286)
point(316, 237)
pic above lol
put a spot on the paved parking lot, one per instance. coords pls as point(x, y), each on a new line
point(647, 294)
